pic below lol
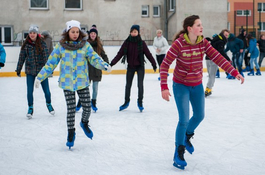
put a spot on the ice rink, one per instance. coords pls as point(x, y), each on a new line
point(230, 140)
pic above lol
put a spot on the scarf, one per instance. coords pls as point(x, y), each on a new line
point(73, 45)
point(139, 41)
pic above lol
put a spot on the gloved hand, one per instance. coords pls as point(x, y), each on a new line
point(18, 74)
point(154, 68)
point(37, 83)
point(2, 64)
point(107, 68)
point(248, 55)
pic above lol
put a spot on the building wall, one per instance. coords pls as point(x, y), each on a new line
point(113, 18)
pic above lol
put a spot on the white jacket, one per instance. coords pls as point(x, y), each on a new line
point(160, 43)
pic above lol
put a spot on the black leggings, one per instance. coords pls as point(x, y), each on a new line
point(159, 59)
point(84, 97)
point(140, 82)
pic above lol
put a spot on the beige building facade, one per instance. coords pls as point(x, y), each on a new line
point(112, 17)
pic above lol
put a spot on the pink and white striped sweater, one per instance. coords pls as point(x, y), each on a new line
point(189, 61)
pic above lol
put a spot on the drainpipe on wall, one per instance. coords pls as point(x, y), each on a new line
point(168, 18)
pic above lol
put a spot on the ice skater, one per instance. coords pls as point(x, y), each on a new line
point(34, 54)
point(254, 53)
point(2, 56)
point(74, 52)
point(133, 50)
point(188, 49)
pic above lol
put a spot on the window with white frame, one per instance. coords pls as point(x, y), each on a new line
point(228, 6)
point(73, 4)
point(243, 13)
point(261, 26)
point(38, 4)
point(6, 35)
point(156, 11)
point(171, 5)
point(145, 10)
point(261, 7)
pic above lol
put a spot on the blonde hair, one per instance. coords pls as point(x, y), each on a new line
point(159, 31)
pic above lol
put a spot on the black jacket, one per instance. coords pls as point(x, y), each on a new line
point(261, 45)
point(218, 42)
point(94, 73)
point(243, 38)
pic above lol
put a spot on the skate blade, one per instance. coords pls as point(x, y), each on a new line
point(52, 112)
point(179, 166)
point(29, 116)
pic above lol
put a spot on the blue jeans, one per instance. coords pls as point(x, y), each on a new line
point(237, 61)
point(261, 56)
point(95, 90)
point(30, 89)
point(254, 61)
point(184, 95)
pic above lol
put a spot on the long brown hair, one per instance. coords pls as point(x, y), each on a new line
point(65, 36)
point(188, 22)
point(99, 44)
point(37, 43)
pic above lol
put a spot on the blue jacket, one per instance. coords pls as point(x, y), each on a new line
point(2, 54)
point(73, 67)
point(252, 48)
point(234, 44)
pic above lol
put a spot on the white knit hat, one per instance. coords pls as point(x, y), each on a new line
point(71, 24)
point(34, 28)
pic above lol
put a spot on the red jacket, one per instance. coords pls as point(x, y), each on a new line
point(189, 61)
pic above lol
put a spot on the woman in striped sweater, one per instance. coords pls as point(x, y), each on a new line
point(188, 50)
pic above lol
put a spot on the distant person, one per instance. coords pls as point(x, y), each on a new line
point(218, 42)
point(254, 53)
point(34, 54)
point(48, 40)
point(2, 56)
point(236, 46)
point(243, 55)
point(95, 74)
point(187, 50)
point(261, 44)
point(133, 51)
point(160, 45)
point(73, 53)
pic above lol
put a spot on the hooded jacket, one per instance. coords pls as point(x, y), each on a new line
point(243, 38)
point(234, 44)
point(252, 48)
point(48, 40)
point(189, 61)
point(160, 43)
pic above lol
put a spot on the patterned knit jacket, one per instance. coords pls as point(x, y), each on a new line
point(73, 67)
point(33, 61)
point(189, 61)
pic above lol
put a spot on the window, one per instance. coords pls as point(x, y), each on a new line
point(228, 25)
point(261, 26)
point(228, 6)
point(73, 4)
point(243, 12)
point(156, 11)
point(38, 4)
point(171, 5)
point(145, 11)
point(261, 7)
point(6, 35)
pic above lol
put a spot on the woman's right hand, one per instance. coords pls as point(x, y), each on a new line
point(166, 94)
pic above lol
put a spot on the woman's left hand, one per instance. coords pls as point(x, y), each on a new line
point(240, 77)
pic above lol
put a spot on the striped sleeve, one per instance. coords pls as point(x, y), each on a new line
point(218, 59)
point(171, 55)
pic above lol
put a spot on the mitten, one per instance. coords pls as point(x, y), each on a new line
point(37, 83)
point(107, 68)
point(2, 64)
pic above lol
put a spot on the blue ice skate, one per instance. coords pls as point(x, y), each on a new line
point(70, 138)
point(188, 145)
point(179, 161)
point(140, 106)
point(124, 106)
point(86, 129)
point(30, 112)
point(93, 105)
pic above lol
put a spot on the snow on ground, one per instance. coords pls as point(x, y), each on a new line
point(229, 141)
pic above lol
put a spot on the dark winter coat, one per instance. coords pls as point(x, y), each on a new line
point(94, 73)
point(243, 38)
point(234, 44)
point(132, 55)
point(261, 45)
point(48, 40)
point(218, 42)
point(33, 61)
